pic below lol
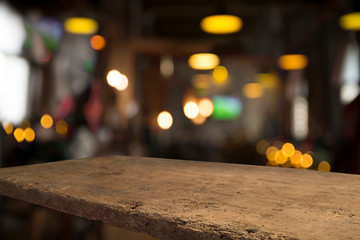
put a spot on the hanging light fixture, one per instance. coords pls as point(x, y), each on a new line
point(203, 61)
point(221, 24)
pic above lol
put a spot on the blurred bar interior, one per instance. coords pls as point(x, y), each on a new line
point(255, 82)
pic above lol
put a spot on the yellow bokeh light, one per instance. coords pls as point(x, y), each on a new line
point(198, 120)
point(288, 149)
point(221, 24)
point(203, 61)
point(220, 74)
point(306, 161)
point(61, 128)
point(280, 158)
point(19, 134)
point(206, 107)
point(97, 42)
point(191, 110)
point(46, 121)
point(262, 146)
point(350, 21)
point(8, 127)
point(293, 62)
point(271, 153)
point(253, 90)
point(81, 25)
point(164, 120)
point(296, 158)
point(267, 80)
point(29, 134)
point(324, 166)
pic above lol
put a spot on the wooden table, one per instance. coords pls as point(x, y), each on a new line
point(175, 199)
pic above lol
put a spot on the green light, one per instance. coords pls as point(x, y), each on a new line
point(226, 108)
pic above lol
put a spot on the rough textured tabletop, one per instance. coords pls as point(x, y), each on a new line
point(175, 199)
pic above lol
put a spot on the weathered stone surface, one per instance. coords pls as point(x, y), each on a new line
point(174, 199)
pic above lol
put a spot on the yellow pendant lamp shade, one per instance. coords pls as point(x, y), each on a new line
point(350, 21)
point(81, 25)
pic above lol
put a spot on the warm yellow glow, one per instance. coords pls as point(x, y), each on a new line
point(280, 158)
point(253, 90)
point(271, 153)
point(165, 120)
point(296, 158)
point(123, 84)
point(61, 128)
point(198, 120)
point(81, 25)
point(221, 24)
point(201, 80)
point(306, 160)
point(203, 61)
point(324, 166)
point(267, 80)
point(220, 74)
point(46, 121)
point(117, 80)
point(8, 127)
point(206, 107)
point(293, 62)
point(350, 21)
point(19, 134)
point(97, 42)
point(29, 134)
point(288, 149)
point(261, 146)
point(113, 77)
point(191, 110)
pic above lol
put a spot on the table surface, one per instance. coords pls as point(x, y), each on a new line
point(176, 199)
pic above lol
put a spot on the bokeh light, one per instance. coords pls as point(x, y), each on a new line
point(81, 25)
point(306, 161)
point(221, 24)
point(191, 110)
point(267, 80)
point(350, 21)
point(293, 62)
point(262, 146)
point(271, 153)
point(97, 42)
point(220, 74)
point(295, 159)
point(61, 128)
point(8, 127)
point(203, 61)
point(206, 107)
point(19, 134)
point(117, 80)
point(253, 90)
point(198, 120)
point(288, 149)
point(165, 120)
point(29, 134)
point(280, 158)
point(113, 77)
point(46, 121)
point(226, 108)
point(324, 166)
point(201, 80)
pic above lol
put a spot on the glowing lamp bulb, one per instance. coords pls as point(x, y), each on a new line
point(203, 61)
